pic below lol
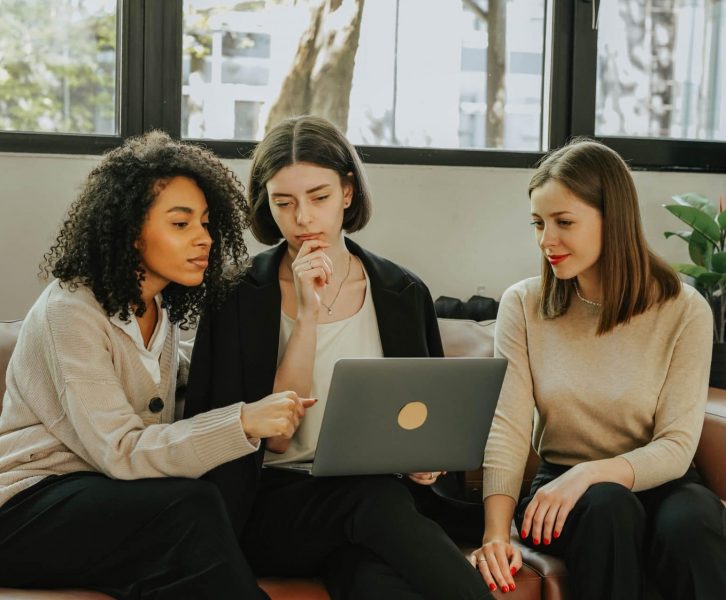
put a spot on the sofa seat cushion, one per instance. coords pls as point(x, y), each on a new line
point(290, 588)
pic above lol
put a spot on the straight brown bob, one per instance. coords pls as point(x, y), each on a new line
point(633, 277)
point(305, 139)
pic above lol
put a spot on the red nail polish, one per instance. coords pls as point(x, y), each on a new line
point(546, 542)
point(524, 533)
point(556, 534)
point(505, 589)
point(492, 586)
point(513, 570)
point(513, 587)
point(535, 541)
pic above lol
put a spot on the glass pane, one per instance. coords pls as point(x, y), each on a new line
point(58, 66)
point(661, 69)
point(388, 72)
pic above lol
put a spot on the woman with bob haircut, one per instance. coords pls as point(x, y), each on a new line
point(609, 358)
point(98, 485)
point(310, 300)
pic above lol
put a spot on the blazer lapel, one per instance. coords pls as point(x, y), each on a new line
point(259, 323)
point(397, 306)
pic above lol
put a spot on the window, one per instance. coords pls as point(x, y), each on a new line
point(58, 66)
point(440, 74)
point(648, 82)
point(660, 70)
point(442, 82)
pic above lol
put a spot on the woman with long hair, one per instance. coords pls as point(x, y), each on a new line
point(609, 358)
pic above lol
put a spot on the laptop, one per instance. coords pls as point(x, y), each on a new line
point(407, 415)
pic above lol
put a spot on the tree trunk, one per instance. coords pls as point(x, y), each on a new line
point(321, 77)
point(663, 40)
point(496, 69)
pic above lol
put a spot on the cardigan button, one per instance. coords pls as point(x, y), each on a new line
point(156, 404)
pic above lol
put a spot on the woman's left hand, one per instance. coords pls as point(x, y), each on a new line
point(426, 478)
point(546, 514)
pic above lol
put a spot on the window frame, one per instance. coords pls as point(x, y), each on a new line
point(652, 154)
point(149, 91)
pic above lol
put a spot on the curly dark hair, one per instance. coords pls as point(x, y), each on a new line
point(95, 246)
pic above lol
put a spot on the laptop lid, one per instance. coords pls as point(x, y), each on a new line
point(406, 415)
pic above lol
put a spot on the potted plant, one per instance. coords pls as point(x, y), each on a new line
point(707, 249)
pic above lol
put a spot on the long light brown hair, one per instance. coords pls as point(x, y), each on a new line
point(633, 278)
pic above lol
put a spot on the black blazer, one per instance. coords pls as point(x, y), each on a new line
point(235, 351)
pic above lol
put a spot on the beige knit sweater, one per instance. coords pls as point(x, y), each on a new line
point(78, 398)
point(638, 391)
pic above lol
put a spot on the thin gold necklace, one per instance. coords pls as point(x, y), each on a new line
point(330, 306)
point(585, 300)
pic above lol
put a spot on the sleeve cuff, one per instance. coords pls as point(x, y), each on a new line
point(219, 437)
point(499, 481)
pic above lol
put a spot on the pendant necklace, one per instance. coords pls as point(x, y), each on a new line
point(330, 306)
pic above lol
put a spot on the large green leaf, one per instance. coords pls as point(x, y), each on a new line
point(684, 235)
point(697, 201)
point(690, 270)
point(700, 250)
point(697, 219)
point(718, 262)
point(721, 219)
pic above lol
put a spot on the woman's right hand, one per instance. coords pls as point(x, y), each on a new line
point(312, 270)
point(497, 561)
point(274, 415)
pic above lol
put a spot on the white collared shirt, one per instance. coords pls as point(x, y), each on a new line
point(149, 355)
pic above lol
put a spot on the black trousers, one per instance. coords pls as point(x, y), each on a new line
point(144, 539)
point(364, 535)
point(676, 533)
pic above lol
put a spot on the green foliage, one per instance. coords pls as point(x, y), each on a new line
point(58, 66)
point(706, 249)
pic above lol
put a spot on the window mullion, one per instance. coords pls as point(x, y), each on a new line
point(584, 70)
point(162, 66)
point(130, 81)
point(561, 88)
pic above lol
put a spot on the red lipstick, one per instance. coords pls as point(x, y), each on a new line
point(556, 259)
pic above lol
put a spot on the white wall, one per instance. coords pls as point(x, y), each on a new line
point(459, 228)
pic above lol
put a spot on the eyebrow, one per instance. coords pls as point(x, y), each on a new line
point(556, 214)
point(312, 190)
point(185, 209)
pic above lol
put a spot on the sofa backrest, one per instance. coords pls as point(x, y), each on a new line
point(8, 336)
point(462, 337)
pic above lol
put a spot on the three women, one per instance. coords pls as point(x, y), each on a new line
point(608, 361)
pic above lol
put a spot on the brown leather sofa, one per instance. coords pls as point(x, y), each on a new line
point(542, 577)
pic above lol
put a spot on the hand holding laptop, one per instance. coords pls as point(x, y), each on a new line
point(426, 478)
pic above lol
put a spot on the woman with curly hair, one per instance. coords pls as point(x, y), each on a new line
point(98, 484)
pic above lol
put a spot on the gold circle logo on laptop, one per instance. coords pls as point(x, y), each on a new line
point(412, 415)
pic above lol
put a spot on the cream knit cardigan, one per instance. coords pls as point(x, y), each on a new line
point(78, 398)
